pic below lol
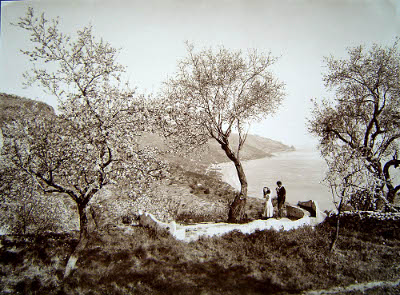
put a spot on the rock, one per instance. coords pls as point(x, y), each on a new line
point(313, 208)
point(294, 212)
point(149, 220)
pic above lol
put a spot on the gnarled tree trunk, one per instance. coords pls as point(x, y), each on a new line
point(392, 190)
point(237, 211)
point(83, 239)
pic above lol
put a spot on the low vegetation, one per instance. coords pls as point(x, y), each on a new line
point(93, 158)
point(136, 260)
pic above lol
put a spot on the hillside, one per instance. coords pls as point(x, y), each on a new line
point(187, 182)
point(255, 147)
point(122, 258)
point(14, 107)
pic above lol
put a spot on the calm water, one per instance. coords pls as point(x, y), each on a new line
point(301, 172)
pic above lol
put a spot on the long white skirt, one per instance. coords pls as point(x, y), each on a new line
point(268, 209)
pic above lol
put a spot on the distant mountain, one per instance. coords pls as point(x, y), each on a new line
point(256, 147)
point(13, 107)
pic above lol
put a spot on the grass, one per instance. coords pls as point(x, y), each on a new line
point(136, 260)
point(124, 259)
point(205, 186)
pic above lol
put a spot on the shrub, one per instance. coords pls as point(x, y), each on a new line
point(34, 214)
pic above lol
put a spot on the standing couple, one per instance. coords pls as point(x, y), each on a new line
point(269, 208)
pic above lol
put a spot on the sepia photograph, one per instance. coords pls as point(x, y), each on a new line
point(200, 147)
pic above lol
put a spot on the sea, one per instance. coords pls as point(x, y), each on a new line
point(301, 173)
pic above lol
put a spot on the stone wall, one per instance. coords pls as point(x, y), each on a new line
point(193, 232)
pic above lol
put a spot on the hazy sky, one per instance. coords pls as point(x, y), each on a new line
point(151, 36)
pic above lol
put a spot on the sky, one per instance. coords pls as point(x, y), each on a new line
point(151, 36)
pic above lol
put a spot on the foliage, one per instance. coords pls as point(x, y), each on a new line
point(13, 107)
point(93, 141)
point(214, 93)
point(359, 129)
point(350, 183)
point(23, 209)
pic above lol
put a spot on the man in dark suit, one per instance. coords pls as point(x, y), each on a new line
point(281, 193)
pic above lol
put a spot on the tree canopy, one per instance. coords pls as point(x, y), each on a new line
point(359, 128)
point(93, 140)
point(219, 91)
point(216, 92)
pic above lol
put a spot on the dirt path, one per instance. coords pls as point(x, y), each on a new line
point(356, 288)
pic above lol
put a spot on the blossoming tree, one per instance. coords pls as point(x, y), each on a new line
point(215, 93)
point(359, 128)
point(92, 142)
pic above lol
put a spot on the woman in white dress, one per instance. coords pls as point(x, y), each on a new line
point(268, 209)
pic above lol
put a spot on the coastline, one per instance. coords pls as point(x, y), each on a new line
point(301, 172)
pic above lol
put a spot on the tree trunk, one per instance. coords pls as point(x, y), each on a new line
point(83, 239)
point(336, 236)
point(237, 209)
point(237, 212)
point(392, 191)
point(391, 195)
